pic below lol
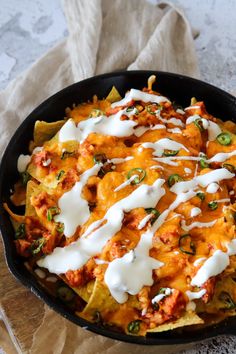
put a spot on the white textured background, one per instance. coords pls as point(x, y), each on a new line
point(28, 28)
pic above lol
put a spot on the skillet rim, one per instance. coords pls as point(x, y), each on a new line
point(225, 327)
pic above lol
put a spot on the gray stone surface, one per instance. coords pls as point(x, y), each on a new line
point(29, 28)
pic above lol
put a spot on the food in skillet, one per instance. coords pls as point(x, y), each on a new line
point(130, 214)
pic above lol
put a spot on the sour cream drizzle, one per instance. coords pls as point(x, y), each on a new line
point(164, 144)
point(112, 126)
point(99, 232)
point(138, 95)
point(195, 295)
point(74, 209)
point(203, 180)
point(213, 128)
point(196, 224)
point(22, 162)
point(213, 266)
point(126, 183)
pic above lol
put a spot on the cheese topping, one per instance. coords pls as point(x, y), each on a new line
point(138, 95)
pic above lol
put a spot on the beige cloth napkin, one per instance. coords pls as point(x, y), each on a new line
point(104, 36)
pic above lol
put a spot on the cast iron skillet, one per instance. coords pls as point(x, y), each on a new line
point(178, 88)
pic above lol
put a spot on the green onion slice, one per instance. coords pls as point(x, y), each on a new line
point(99, 158)
point(66, 154)
point(186, 245)
point(60, 174)
point(141, 175)
point(37, 245)
point(175, 178)
point(199, 124)
point(213, 205)
point(51, 212)
point(203, 163)
point(134, 327)
point(149, 109)
point(155, 213)
point(227, 300)
point(170, 152)
point(60, 227)
point(229, 167)
point(200, 195)
point(25, 177)
point(20, 232)
point(224, 139)
point(65, 294)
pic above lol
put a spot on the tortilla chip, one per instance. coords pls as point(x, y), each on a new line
point(85, 291)
point(113, 95)
point(44, 131)
point(189, 318)
point(100, 300)
point(49, 181)
point(29, 209)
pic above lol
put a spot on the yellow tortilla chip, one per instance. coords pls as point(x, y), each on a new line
point(48, 181)
point(189, 319)
point(113, 95)
point(44, 131)
point(85, 291)
point(100, 300)
point(29, 209)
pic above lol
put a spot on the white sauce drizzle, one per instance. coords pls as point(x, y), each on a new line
point(162, 144)
point(212, 188)
point(221, 156)
point(156, 167)
point(213, 266)
point(231, 192)
point(195, 211)
point(199, 261)
point(196, 224)
point(191, 306)
point(22, 162)
point(144, 221)
point(159, 297)
point(37, 149)
point(195, 295)
point(112, 126)
point(190, 107)
point(118, 160)
point(203, 180)
point(180, 111)
point(126, 183)
point(121, 274)
point(138, 95)
point(225, 200)
point(175, 131)
point(74, 208)
point(94, 239)
point(187, 170)
point(231, 247)
point(213, 128)
point(47, 162)
point(141, 130)
point(174, 121)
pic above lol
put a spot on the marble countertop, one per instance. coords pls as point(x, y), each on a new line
point(28, 31)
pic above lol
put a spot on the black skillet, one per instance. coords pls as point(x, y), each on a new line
point(178, 88)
